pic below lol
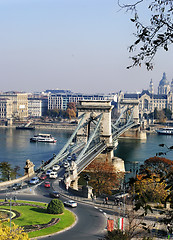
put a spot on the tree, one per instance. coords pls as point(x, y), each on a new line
point(70, 113)
point(55, 206)
point(156, 165)
point(14, 232)
point(7, 172)
point(104, 177)
point(135, 225)
point(154, 35)
point(167, 113)
point(146, 186)
point(71, 105)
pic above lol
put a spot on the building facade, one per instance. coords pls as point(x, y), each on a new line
point(19, 104)
point(61, 100)
point(148, 100)
point(37, 107)
point(6, 108)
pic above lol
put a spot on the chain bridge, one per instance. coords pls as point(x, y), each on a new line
point(95, 135)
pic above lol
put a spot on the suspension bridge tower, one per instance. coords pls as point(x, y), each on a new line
point(96, 111)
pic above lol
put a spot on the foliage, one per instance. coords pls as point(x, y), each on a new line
point(152, 35)
point(146, 186)
point(15, 232)
point(7, 172)
point(59, 113)
point(158, 165)
point(168, 113)
point(56, 206)
point(72, 105)
point(134, 225)
point(104, 178)
point(40, 217)
point(116, 235)
point(70, 113)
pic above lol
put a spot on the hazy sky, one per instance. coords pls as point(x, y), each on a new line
point(79, 45)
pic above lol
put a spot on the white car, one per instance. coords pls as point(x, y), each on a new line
point(56, 167)
point(34, 180)
point(70, 203)
point(69, 158)
point(53, 175)
point(66, 165)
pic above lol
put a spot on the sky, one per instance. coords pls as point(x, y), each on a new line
point(80, 45)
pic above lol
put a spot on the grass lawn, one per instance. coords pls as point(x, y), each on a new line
point(31, 215)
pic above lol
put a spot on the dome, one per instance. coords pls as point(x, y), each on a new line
point(163, 81)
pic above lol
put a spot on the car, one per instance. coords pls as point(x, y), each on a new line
point(48, 172)
point(16, 186)
point(47, 184)
point(69, 158)
point(70, 203)
point(34, 180)
point(43, 177)
point(54, 194)
point(74, 156)
point(53, 175)
point(56, 167)
point(66, 165)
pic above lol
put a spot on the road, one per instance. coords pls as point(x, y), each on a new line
point(90, 224)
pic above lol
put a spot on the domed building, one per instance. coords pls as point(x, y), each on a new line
point(164, 87)
point(148, 101)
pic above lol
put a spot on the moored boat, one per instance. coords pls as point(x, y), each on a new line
point(25, 128)
point(42, 137)
point(165, 131)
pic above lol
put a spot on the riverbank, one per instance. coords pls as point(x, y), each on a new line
point(41, 125)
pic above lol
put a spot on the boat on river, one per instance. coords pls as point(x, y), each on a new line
point(42, 137)
point(25, 127)
point(165, 131)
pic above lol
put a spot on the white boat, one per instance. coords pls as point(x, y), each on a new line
point(41, 137)
point(165, 131)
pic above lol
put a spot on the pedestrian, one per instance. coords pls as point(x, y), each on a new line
point(106, 200)
point(115, 202)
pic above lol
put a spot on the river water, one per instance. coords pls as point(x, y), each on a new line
point(16, 148)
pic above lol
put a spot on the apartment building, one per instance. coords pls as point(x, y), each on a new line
point(19, 104)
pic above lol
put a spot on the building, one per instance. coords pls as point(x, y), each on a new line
point(60, 100)
point(19, 103)
point(6, 107)
point(37, 107)
point(148, 100)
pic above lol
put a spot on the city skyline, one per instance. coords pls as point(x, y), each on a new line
point(76, 45)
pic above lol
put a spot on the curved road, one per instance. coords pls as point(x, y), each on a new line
point(90, 225)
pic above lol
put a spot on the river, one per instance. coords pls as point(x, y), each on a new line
point(16, 148)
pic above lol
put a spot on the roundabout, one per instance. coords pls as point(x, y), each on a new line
point(34, 219)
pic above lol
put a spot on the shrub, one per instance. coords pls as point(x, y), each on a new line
point(56, 206)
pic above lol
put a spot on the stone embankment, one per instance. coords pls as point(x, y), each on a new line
point(43, 125)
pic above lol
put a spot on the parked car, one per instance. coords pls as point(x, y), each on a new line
point(66, 165)
point(47, 184)
point(43, 177)
point(16, 186)
point(70, 203)
point(56, 167)
point(53, 175)
point(34, 180)
point(54, 194)
point(69, 158)
point(48, 172)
